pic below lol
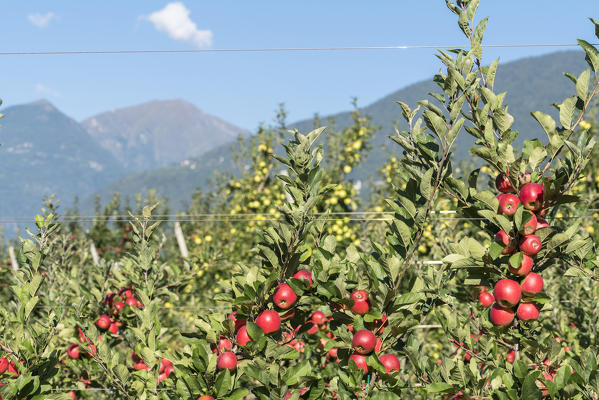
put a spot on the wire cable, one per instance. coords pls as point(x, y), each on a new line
point(271, 49)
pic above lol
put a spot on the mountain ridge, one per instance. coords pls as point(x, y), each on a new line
point(524, 79)
point(159, 132)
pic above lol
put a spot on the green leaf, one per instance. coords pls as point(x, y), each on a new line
point(222, 383)
point(254, 331)
point(516, 259)
point(148, 356)
point(438, 387)
point(489, 199)
point(573, 271)
point(31, 303)
point(294, 373)
point(502, 119)
point(491, 71)
point(495, 250)
point(330, 243)
point(546, 122)
point(536, 157)
point(34, 285)
point(582, 84)
point(557, 240)
point(451, 258)
point(238, 394)
point(566, 112)
point(122, 372)
point(435, 123)
point(530, 391)
point(425, 184)
point(520, 369)
point(592, 54)
point(475, 249)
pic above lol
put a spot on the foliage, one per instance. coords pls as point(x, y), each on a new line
point(270, 303)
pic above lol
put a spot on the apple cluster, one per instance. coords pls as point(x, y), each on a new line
point(117, 304)
point(284, 299)
point(511, 298)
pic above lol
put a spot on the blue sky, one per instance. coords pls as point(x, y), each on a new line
point(246, 88)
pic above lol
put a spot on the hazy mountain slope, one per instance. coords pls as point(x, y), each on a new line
point(43, 152)
point(526, 81)
point(159, 133)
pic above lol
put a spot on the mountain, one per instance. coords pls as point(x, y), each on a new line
point(44, 152)
point(158, 133)
point(526, 81)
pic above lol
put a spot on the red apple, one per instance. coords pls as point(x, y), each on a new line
point(379, 345)
point(12, 368)
point(319, 318)
point(110, 298)
point(511, 356)
point(73, 351)
point(380, 325)
point(284, 296)
point(313, 329)
point(269, 321)
point(242, 337)
point(224, 344)
point(118, 305)
point(103, 322)
point(364, 341)
point(391, 363)
point(509, 242)
point(361, 307)
point(303, 274)
point(527, 311)
point(541, 223)
point(113, 328)
point(360, 361)
point(507, 293)
point(166, 366)
point(531, 196)
point(361, 302)
point(332, 353)
point(503, 184)
point(486, 299)
point(131, 301)
point(508, 204)
point(525, 266)
point(530, 245)
point(530, 227)
point(205, 397)
point(141, 365)
point(226, 360)
point(532, 284)
point(501, 316)
point(238, 322)
point(3, 365)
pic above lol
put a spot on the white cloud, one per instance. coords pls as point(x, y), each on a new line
point(174, 20)
point(46, 91)
point(41, 20)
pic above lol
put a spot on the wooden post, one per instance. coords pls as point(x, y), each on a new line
point(13, 259)
point(95, 257)
point(181, 240)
